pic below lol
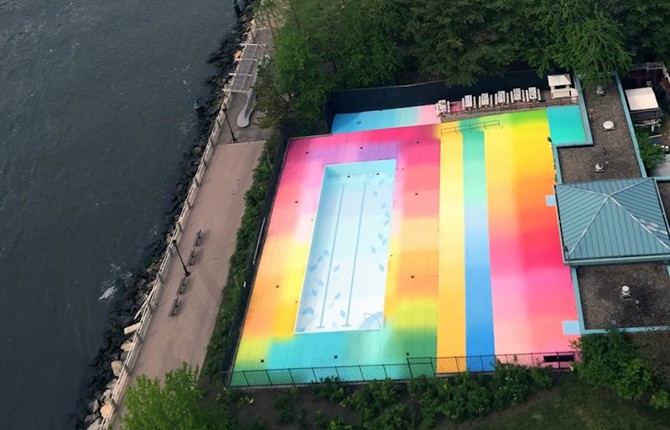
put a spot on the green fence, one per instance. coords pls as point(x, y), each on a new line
point(412, 368)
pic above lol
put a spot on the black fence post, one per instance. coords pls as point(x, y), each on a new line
point(337, 372)
point(244, 375)
point(458, 368)
point(386, 375)
point(558, 360)
point(481, 360)
point(290, 375)
point(314, 375)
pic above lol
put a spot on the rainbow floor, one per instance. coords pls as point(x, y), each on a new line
point(395, 239)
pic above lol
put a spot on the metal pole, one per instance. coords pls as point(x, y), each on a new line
point(233, 139)
point(186, 272)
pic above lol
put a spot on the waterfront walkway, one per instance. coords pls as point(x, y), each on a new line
point(217, 211)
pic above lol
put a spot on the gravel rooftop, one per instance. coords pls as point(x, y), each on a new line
point(664, 191)
point(602, 304)
point(614, 148)
point(600, 286)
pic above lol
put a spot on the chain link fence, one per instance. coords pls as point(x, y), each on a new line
point(414, 367)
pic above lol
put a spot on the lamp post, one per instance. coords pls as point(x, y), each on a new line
point(186, 272)
point(233, 139)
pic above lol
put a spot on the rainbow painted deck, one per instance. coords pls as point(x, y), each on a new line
point(470, 255)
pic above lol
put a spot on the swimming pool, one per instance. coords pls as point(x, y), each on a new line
point(345, 281)
point(566, 126)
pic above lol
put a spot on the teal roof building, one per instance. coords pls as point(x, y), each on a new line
point(610, 222)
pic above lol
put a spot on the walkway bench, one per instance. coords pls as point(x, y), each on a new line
point(175, 305)
point(198, 238)
point(182, 285)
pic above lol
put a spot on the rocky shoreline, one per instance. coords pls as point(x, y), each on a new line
point(134, 289)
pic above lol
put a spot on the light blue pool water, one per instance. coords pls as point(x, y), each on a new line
point(566, 126)
point(345, 279)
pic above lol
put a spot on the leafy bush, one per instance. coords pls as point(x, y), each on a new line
point(372, 400)
point(611, 360)
point(654, 348)
point(469, 395)
point(651, 154)
point(635, 380)
point(660, 400)
point(465, 396)
point(338, 424)
point(285, 405)
point(513, 384)
point(426, 393)
point(541, 378)
point(329, 389)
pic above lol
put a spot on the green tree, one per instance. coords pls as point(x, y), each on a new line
point(326, 45)
point(611, 360)
point(174, 405)
point(269, 100)
point(301, 73)
point(582, 39)
point(651, 154)
point(597, 49)
point(366, 49)
point(461, 40)
point(645, 24)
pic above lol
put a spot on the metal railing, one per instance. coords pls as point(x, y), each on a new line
point(414, 367)
point(470, 127)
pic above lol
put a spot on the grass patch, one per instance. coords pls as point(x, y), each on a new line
point(574, 404)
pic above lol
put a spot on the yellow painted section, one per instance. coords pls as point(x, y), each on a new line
point(451, 284)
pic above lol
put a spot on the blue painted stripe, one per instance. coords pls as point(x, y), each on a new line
point(478, 303)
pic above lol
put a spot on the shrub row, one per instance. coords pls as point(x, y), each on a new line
point(614, 361)
point(424, 402)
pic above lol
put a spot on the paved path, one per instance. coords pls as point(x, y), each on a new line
point(217, 210)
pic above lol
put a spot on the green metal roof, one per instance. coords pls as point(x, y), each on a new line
point(612, 222)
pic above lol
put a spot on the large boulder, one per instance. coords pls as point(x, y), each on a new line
point(116, 367)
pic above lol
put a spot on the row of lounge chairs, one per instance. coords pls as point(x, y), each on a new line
point(487, 100)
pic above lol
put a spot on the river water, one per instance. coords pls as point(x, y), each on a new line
point(95, 117)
